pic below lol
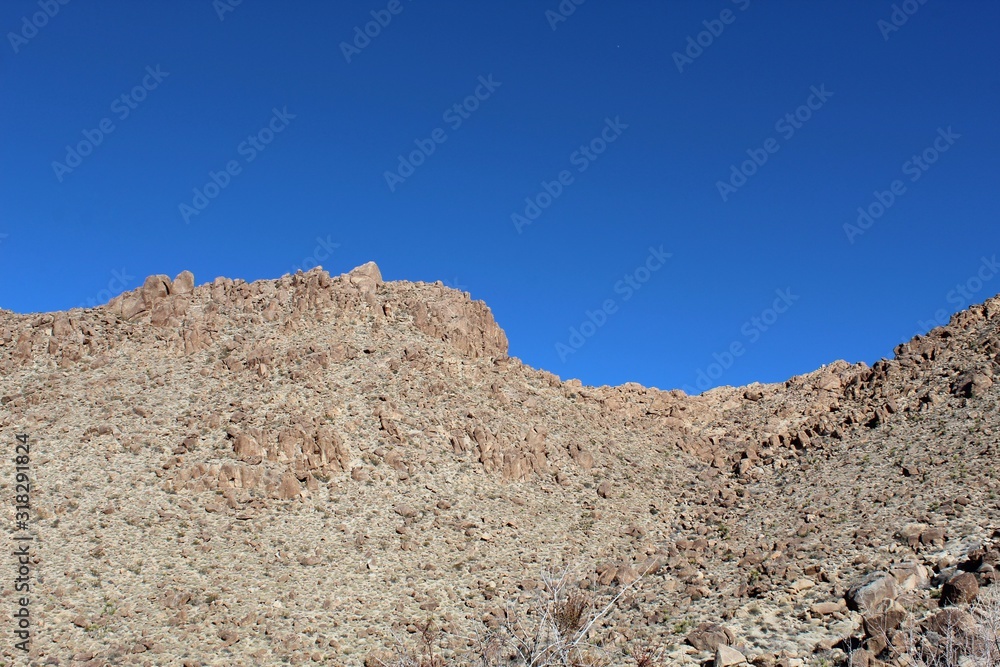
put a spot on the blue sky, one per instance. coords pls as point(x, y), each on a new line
point(642, 191)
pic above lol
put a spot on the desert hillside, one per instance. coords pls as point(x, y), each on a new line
point(341, 470)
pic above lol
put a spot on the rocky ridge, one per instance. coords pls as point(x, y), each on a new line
point(314, 466)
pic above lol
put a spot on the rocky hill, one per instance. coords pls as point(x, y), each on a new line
point(343, 470)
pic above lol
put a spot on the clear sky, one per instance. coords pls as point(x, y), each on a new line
point(639, 190)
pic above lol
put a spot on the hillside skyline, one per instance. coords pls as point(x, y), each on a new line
point(701, 194)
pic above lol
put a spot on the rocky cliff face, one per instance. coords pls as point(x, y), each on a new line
point(310, 466)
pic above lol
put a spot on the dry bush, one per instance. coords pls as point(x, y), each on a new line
point(425, 653)
point(568, 612)
point(553, 631)
point(987, 613)
point(646, 656)
point(556, 630)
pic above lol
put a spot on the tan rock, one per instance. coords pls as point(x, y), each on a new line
point(582, 456)
point(877, 587)
point(886, 617)
point(911, 576)
point(290, 487)
point(406, 511)
point(709, 636)
point(183, 283)
point(155, 287)
point(827, 608)
point(726, 656)
point(933, 537)
point(247, 448)
point(366, 277)
point(911, 533)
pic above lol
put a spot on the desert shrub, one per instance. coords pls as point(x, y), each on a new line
point(568, 612)
point(554, 630)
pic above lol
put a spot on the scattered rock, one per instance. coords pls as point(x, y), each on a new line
point(884, 618)
point(875, 588)
point(709, 636)
point(406, 511)
point(950, 622)
point(911, 576)
point(827, 608)
point(960, 589)
point(972, 384)
point(726, 656)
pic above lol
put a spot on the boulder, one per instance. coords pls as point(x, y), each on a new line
point(183, 283)
point(709, 636)
point(933, 537)
point(875, 588)
point(911, 532)
point(582, 456)
point(827, 608)
point(127, 305)
point(911, 576)
point(366, 277)
point(247, 448)
point(886, 617)
point(466, 325)
point(863, 658)
point(62, 327)
point(727, 657)
point(971, 384)
point(828, 382)
point(155, 287)
point(960, 589)
point(289, 488)
point(950, 622)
